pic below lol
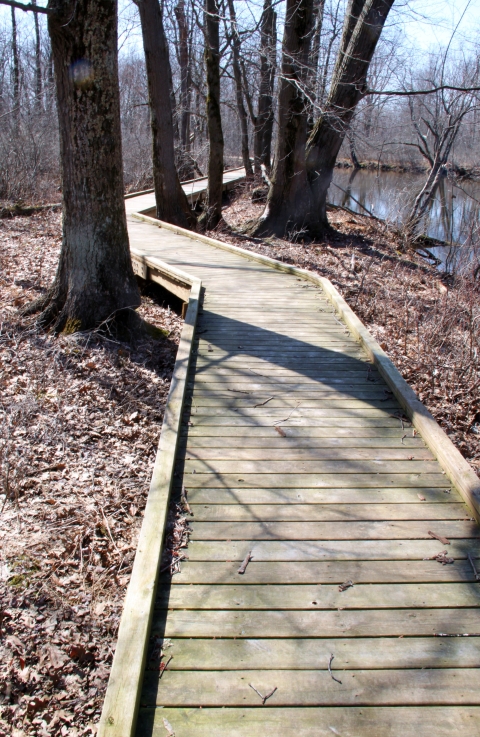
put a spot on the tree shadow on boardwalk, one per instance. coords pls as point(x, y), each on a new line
point(355, 405)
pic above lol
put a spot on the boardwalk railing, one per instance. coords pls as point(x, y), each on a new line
point(123, 693)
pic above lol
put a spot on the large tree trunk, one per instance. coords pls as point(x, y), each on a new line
point(363, 25)
point(237, 72)
point(95, 278)
point(172, 203)
point(213, 204)
point(262, 141)
point(289, 205)
point(297, 200)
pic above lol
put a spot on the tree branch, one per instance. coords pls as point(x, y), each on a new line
point(410, 93)
point(30, 6)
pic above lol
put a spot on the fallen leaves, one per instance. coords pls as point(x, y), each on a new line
point(80, 419)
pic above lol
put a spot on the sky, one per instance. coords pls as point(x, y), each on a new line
point(424, 24)
point(428, 24)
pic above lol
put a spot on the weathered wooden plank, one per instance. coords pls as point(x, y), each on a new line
point(345, 623)
point(324, 512)
point(361, 654)
point(348, 429)
point(289, 454)
point(320, 572)
point(345, 530)
point(311, 597)
point(253, 496)
point(202, 394)
point(354, 721)
point(324, 418)
point(383, 411)
point(317, 481)
point(298, 444)
point(419, 687)
point(305, 467)
point(210, 405)
point(298, 550)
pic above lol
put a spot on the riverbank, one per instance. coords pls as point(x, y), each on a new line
point(80, 418)
point(454, 170)
point(426, 322)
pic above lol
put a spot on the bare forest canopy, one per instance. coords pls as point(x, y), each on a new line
point(388, 130)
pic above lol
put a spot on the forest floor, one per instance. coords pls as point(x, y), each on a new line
point(80, 418)
point(427, 322)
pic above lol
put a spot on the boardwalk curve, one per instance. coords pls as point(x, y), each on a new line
point(285, 428)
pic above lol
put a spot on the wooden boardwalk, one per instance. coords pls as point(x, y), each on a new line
point(294, 450)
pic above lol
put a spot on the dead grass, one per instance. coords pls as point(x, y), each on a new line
point(429, 325)
point(80, 418)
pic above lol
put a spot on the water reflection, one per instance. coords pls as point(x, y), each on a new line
point(453, 216)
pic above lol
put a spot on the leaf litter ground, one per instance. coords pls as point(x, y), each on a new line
point(80, 419)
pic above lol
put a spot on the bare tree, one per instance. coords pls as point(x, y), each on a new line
point(183, 54)
point(263, 121)
point(15, 65)
point(297, 200)
point(363, 25)
point(172, 203)
point(237, 71)
point(38, 61)
point(436, 120)
point(213, 205)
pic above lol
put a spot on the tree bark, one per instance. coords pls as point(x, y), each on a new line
point(94, 278)
point(213, 204)
point(237, 73)
point(318, 11)
point(172, 203)
point(289, 204)
point(364, 21)
point(263, 127)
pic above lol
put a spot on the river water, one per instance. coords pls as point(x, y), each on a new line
point(453, 215)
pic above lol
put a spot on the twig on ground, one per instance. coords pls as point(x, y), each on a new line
point(264, 698)
point(330, 669)
point(263, 403)
point(475, 572)
point(245, 563)
point(440, 538)
point(162, 670)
